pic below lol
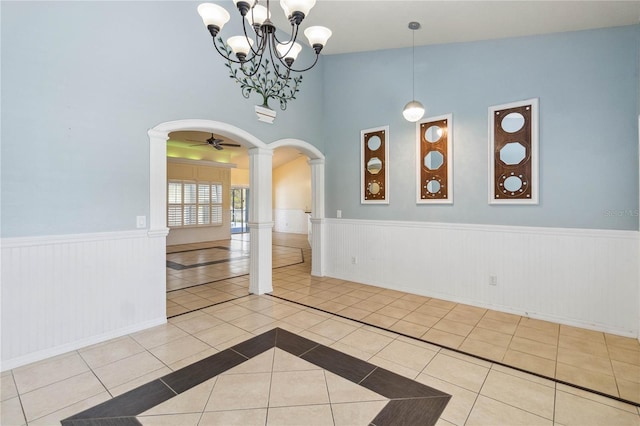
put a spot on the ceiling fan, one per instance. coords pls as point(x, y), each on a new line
point(214, 142)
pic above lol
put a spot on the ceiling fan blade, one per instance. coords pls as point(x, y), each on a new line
point(200, 144)
point(218, 147)
point(230, 144)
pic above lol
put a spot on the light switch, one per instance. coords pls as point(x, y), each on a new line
point(141, 221)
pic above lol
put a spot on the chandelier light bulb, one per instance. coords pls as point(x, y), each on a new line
point(302, 6)
point(240, 45)
point(413, 111)
point(212, 14)
point(288, 51)
point(258, 15)
point(317, 36)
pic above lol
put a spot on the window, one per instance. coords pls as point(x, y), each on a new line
point(193, 203)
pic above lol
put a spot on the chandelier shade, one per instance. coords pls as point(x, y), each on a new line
point(265, 61)
point(413, 111)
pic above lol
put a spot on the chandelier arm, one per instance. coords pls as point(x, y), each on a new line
point(275, 68)
point(309, 67)
point(259, 37)
point(227, 54)
point(294, 34)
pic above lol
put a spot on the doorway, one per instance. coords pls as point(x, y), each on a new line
point(239, 210)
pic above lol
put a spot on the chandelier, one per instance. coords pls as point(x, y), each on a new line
point(258, 60)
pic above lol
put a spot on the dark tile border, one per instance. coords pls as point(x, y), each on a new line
point(410, 402)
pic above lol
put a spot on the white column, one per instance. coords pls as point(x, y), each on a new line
point(260, 220)
point(158, 183)
point(317, 217)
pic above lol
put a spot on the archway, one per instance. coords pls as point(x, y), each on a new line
point(260, 214)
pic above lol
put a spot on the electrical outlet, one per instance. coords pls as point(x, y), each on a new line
point(354, 260)
point(339, 214)
point(493, 280)
point(141, 222)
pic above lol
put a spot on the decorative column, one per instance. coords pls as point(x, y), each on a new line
point(317, 217)
point(260, 220)
point(158, 183)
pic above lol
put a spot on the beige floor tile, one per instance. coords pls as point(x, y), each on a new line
point(487, 411)
point(218, 335)
point(333, 329)
point(629, 372)
point(170, 420)
point(353, 351)
point(460, 373)
point(284, 361)
point(353, 312)
point(453, 327)
point(127, 369)
point(379, 320)
point(498, 326)
point(534, 348)
point(139, 381)
point(463, 316)
point(11, 412)
point(596, 398)
point(193, 400)
point(628, 343)
point(280, 311)
point(468, 358)
point(356, 413)
point(493, 337)
point(409, 328)
point(331, 306)
point(461, 402)
point(68, 411)
point(298, 388)
point(407, 355)
point(580, 345)
point(256, 417)
point(368, 305)
point(108, 352)
point(407, 303)
point(589, 379)
point(308, 415)
point(624, 355)
point(342, 390)
point(393, 366)
point(198, 323)
point(443, 338)
point(581, 333)
point(46, 372)
point(366, 341)
point(483, 349)
point(252, 322)
point(443, 304)
point(8, 388)
point(585, 361)
point(502, 317)
point(393, 311)
point(548, 327)
point(381, 298)
point(532, 363)
point(54, 397)
point(193, 358)
point(421, 319)
point(227, 312)
point(432, 310)
point(521, 393)
point(629, 390)
point(158, 335)
point(304, 319)
point(240, 391)
point(575, 410)
point(523, 375)
point(178, 349)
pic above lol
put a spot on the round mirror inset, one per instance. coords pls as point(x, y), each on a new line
point(433, 186)
point(433, 160)
point(374, 166)
point(512, 122)
point(433, 134)
point(374, 142)
point(374, 188)
point(512, 183)
point(513, 153)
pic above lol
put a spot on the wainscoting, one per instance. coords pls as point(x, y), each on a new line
point(584, 278)
point(64, 292)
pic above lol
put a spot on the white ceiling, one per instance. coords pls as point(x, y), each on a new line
point(363, 25)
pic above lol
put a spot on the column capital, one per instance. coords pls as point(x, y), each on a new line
point(157, 135)
point(316, 161)
point(261, 151)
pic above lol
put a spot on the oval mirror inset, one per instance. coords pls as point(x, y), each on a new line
point(512, 122)
point(433, 134)
point(433, 160)
point(374, 166)
point(374, 143)
point(512, 183)
point(513, 153)
point(433, 186)
point(374, 188)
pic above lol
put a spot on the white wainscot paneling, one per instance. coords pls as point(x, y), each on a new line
point(65, 292)
point(585, 278)
point(294, 221)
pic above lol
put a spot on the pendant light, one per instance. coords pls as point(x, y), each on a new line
point(413, 111)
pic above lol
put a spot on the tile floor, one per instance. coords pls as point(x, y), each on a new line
point(483, 392)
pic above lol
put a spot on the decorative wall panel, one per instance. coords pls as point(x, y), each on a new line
point(434, 164)
point(513, 153)
point(374, 150)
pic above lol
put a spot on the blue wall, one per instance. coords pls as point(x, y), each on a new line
point(587, 83)
point(82, 82)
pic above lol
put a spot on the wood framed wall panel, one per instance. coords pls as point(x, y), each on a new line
point(374, 150)
point(434, 160)
point(513, 153)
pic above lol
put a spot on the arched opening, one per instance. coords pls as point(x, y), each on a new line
point(260, 175)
